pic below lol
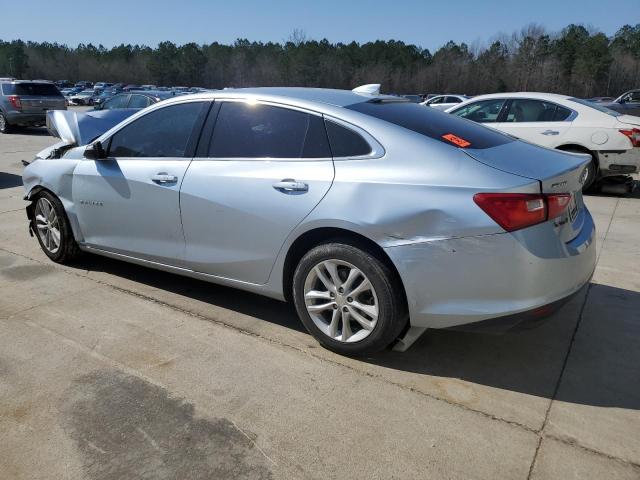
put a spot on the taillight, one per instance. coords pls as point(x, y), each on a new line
point(513, 211)
point(557, 204)
point(633, 134)
point(15, 101)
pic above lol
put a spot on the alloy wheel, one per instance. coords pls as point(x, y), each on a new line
point(341, 301)
point(47, 225)
point(3, 123)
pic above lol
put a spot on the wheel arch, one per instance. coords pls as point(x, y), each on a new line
point(575, 146)
point(317, 236)
point(71, 217)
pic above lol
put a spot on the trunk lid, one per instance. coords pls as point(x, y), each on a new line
point(629, 120)
point(556, 172)
point(40, 104)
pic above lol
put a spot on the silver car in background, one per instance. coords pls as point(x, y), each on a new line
point(377, 217)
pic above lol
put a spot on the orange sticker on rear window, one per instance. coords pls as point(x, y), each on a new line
point(460, 142)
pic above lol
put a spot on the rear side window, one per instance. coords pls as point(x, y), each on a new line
point(245, 130)
point(561, 114)
point(161, 133)
point(526, 110)
point(345, 142)
point(35, 89)
point(434, 124)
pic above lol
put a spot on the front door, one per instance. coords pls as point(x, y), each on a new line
point(266, 167)
point(129, 203)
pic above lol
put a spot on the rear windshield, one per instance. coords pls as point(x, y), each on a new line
point(40, 89)
point(427, 121)
point(600, 108)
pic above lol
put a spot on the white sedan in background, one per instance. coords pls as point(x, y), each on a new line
point(442, 102)
point(565, 123)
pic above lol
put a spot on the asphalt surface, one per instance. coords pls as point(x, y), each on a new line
point(113, 371)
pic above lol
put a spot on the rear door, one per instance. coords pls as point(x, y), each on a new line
point(261, 170)
point(128, 203)
point(537, 121)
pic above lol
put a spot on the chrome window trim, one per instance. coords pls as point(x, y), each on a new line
point(377, 150)
point(106, 136)
point(570, 118)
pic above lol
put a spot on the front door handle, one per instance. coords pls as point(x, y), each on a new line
point(551, 132)
point(291, 185)
point(163, 178)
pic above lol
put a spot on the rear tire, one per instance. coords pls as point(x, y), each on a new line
point(357, 317)
point(52, 229)
point(592, 167)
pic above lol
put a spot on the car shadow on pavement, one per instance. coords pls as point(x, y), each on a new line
point(602, 369)
point(32, 131)
point(9, 180)
point(273, 311)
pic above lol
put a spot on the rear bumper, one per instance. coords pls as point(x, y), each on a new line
point(455, 282)
point(619, 163)
point(19, 118)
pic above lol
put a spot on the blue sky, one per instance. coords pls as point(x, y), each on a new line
point(429, 24)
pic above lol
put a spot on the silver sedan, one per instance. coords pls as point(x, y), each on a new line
point(377, 217)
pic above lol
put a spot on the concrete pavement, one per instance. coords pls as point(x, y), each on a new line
point(110, 370)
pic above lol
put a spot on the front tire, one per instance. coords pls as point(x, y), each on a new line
point(52, 229)
point(348, 299)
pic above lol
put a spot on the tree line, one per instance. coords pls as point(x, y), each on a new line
point(575, 61)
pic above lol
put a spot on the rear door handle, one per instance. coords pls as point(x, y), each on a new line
point(163, 178)
point(291, 185)
point(551, 132)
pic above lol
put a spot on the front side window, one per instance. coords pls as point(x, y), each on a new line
point(436, 100)
point(527, 110)
point(246, 130)
point(483, 111)
point(633, 97)
point(162, 133)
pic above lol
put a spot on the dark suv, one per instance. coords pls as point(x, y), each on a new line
point(24, 103)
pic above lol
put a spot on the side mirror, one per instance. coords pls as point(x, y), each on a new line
point(95, 151)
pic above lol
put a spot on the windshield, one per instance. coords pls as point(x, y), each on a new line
point(600, 108)
point(432, 123)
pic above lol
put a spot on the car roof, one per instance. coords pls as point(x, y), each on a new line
point(537, 95)
point(5, 80)
point(297, 95)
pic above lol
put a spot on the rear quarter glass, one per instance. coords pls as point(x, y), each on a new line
point(429, 122)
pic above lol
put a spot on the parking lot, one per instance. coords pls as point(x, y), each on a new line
point(110, 370)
